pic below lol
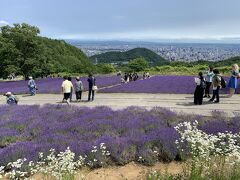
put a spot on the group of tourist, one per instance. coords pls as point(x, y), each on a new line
point(129, 77)
point(68, 88)
point(12, 99)
point(216, 81)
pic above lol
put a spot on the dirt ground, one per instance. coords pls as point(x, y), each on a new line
point(131, 171)
point(176, 102)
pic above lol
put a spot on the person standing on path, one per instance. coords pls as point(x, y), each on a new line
point(91, 82)
point(67, 88)
point(232, 84)
point(198, 94)
point(216, 81)
point(78, 88)
point(32, 86)
point(209, 77)
point(70, 79)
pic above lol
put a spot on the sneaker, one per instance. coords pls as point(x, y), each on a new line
point(216, 102)
point(209, 96)
point(205, 96)
point(210, 100)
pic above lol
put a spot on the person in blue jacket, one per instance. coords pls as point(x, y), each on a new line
point(32, 86)
point(11, 100)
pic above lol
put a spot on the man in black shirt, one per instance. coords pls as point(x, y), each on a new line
point(91, 82)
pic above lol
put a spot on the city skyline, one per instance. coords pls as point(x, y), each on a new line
point(135, 20)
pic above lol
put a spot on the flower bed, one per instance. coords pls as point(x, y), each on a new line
point(53, 85)
point(129, 134)
point(160, 84)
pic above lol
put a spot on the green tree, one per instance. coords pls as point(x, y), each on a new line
point(106, 68)
point(23, 51)
point(138, 64)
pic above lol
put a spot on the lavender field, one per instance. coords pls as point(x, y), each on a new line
point(160, 84)
point(53, 85)
point(128, 134)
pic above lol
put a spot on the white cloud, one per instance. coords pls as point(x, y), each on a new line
point(3, 23)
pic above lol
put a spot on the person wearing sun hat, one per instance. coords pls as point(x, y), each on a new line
point(32, 86)
point(11, 100)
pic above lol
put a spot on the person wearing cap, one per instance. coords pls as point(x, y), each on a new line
point(78, 88)
point(11, 100)
point(32, 86)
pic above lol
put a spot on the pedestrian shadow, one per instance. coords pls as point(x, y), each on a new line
point(73, 102)
point(26, 95)
point(82, 101)
point(192, 104)
point(189, 97)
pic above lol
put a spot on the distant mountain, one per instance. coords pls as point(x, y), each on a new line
point(118, 57)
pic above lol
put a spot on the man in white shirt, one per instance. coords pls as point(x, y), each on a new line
point(67, 88)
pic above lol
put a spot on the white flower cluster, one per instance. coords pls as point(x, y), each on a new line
point(16, 172)
point(141, 159)
point(154, 175)
point(1, 171)
point(98, 155)
point(57, 165)
point(61, 166)
point(203, 145)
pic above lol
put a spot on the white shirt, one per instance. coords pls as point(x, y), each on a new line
point(67, 86)
point(197, 81)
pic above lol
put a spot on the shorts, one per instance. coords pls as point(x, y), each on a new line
point(66, 96)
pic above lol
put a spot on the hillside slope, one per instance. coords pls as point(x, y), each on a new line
point(24, 52)
point(113, 57)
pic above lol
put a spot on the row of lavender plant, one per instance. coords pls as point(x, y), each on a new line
point(160, 84)
point(53, 85)
point(212, 156)
point(129, 134)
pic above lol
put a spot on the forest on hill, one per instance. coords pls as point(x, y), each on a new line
point(24, 52)
point(119, 57)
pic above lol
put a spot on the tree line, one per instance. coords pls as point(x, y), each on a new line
point(24, 52)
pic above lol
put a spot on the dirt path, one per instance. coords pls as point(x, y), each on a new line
point(131, 171)
point(175, 102)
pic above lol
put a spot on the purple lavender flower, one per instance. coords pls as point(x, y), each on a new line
point(160, 84)
point(53, 85)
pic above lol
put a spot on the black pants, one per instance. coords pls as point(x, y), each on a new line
point(78, 95)
point(215, 94)
point(90, 93)
point(198, 95)
point(208, 85)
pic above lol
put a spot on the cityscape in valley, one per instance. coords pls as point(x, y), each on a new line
point(171, 51)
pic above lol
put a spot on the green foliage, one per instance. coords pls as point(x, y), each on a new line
point(119, 57)
point(106, 68)
point(24, 52)
point(138, 64)
point(186, 69)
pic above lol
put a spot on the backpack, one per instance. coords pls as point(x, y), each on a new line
point(203, 84)
point(223, 82)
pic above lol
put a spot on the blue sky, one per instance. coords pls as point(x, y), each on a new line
point(127, 19)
